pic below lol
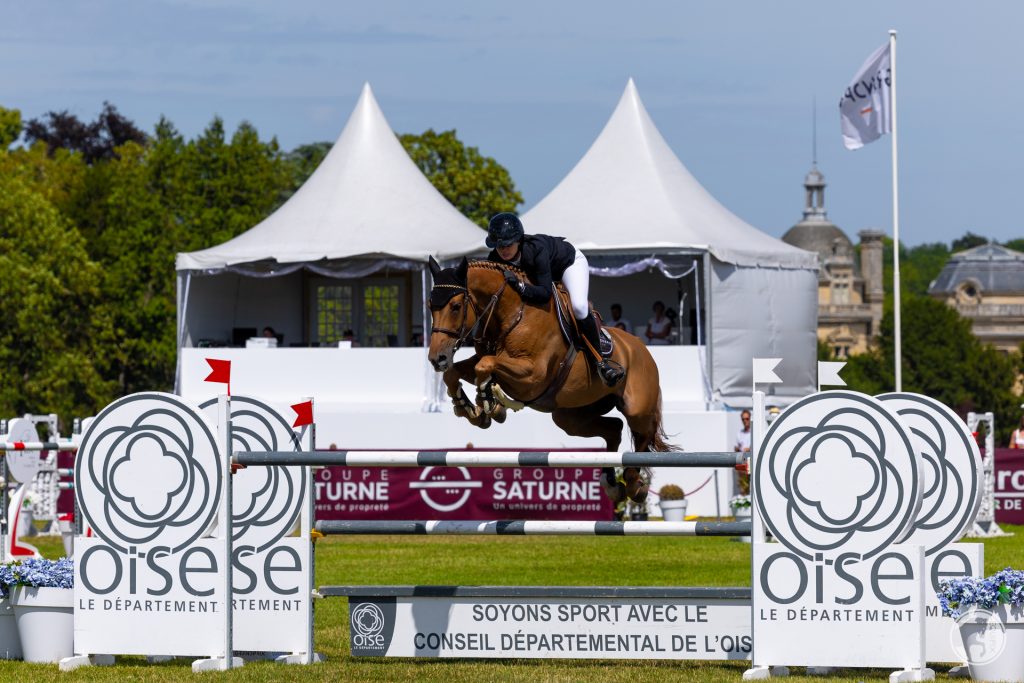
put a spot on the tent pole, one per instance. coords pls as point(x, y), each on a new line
point(182, 309)
point(708, 350)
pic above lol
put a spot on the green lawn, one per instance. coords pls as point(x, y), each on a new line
point(507, 560)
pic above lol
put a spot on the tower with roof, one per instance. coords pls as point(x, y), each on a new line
point(850, 289)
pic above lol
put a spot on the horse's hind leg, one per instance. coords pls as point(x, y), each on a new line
point(641, 406)
point(588, 422)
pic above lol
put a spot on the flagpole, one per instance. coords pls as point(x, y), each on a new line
point(898, 350)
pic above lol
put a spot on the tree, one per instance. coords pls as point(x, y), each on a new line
point(303, 160)
point(1015, 244)
point(51, 337)
point(10, 127)
point(224, 188)
point(477, 186)
point(94, 141)
point(941, 358)
point(968, 241)
point(140, 208)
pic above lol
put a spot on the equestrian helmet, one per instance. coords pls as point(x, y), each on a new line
point(504, 229)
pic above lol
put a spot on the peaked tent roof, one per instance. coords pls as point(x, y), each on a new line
point(367, 198)
point(631, 192)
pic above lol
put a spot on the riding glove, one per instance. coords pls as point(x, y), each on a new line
point(513, 280)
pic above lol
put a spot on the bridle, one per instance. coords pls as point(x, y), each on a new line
point(483, 314)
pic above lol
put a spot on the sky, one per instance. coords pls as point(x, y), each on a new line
point(732, 86)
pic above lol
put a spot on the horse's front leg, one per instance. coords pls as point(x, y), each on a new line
point(453, 378)
point(515, 371)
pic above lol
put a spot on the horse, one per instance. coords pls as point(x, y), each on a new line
point(522, 359)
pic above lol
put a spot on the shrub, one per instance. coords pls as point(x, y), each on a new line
point(671, 492)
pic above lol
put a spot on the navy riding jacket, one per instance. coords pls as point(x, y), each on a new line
point(544, 259)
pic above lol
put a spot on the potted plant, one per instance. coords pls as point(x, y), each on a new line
point(40, 592)
point(672, 502)
point(990, 617)
point(741, 510)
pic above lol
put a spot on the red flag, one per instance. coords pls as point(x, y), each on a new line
point(303, 413)
point(220, 372)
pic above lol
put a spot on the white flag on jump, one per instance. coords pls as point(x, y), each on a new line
point(865, 109)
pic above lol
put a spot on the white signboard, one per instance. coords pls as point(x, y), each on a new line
point(952, 496)
point(148, 483)
point(838, 483)
point(942, 636)
point(531, 627)
point(272, 569)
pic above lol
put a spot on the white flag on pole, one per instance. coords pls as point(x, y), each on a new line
point(828, 374)
point(865, 109)
point(764, 370)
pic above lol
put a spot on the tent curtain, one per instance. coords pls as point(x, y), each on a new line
point(621, 266)
point(763, 313)
point(343, 268)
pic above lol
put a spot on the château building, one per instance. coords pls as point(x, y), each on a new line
point(986, 285)
point(850, 289)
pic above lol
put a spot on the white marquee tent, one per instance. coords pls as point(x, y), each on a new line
point(367, 209)
point(366, 199)
point(630, 204)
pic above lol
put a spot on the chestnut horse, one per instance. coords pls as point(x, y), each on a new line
point(519, 353)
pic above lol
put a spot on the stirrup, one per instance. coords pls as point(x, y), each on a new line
point(611, 372)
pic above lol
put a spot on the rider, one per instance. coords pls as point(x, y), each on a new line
point(546, 259)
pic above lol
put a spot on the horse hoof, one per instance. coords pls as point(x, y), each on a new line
point(616, 494)
point(499, 414)
point(637, 492)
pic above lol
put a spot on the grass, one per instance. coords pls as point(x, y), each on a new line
point(506, 560)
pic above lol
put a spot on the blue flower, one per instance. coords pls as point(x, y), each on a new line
point(37, 573)
point(1005, 587)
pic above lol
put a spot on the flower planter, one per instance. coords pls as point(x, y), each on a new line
point(993, 642)
point(673, 510)
point(67, 534)
point(742, 514)
point(10, 644)
point(46, 622)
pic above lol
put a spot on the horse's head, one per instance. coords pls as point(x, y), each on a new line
point(451, 313)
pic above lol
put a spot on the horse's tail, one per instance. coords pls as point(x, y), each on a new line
point(659, 439)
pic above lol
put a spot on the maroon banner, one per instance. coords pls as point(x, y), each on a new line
point(65, 498)
point(484, 493)
point(1009, 486)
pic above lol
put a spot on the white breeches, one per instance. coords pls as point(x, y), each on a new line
point(577, 282)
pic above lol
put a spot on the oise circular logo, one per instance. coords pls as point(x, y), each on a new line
point(367, 619)
point(147, 473)
point(265, 501)
point(837, 473)
point(952, 469)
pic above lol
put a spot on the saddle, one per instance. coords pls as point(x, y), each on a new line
point(567, 323)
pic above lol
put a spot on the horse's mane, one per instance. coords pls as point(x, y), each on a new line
point(499, 267)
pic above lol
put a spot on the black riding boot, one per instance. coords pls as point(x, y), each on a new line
point(611, 373)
